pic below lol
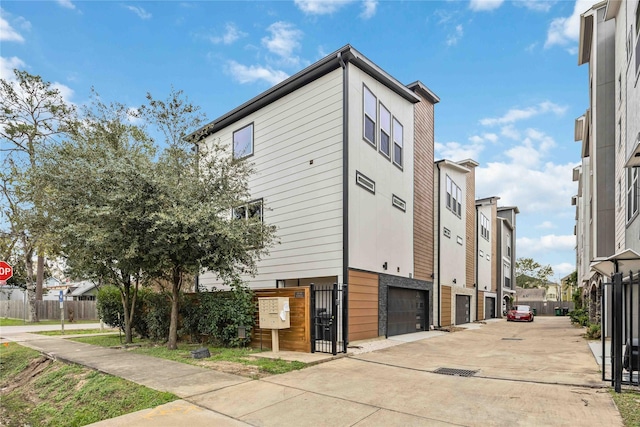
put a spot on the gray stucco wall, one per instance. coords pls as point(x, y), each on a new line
point(400, 282)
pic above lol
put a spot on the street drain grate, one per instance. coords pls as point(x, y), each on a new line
point(455, 372)
point(512, 339)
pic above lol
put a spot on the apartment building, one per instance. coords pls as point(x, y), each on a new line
point(343, 154)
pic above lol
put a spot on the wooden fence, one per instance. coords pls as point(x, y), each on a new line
point(298, 336)
point(50, 310)
point(547, 308)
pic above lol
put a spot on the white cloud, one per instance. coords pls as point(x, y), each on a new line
point(368, 9)
point(232, 33)
point(283, 41)
point(7, 32)
point(536, 5)
point(546, 225)
point(484, 5)
point(456, 151)
point(510, 132)
point(7, 65)
point(253, 73)
point(566, 30)
point(65, 91)
point(477, 139)
point(66, 3)
point(546, 243)
point(455, 36)
point(320, 7)
point(542, 188)
point(563, 269)
point(143, 14)
point(517, 114)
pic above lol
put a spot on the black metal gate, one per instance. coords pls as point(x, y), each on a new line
point(620, 313)
point(329, 318)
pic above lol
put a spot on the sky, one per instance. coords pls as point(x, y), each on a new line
point(506, 73)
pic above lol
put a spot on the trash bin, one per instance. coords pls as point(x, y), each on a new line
point(565, 311)
point(558, 311)
point(535, 312)
point(323, 325)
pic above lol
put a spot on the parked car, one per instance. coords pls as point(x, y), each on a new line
point(521, 313)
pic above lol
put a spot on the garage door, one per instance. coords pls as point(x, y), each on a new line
point(463, 309)
point(490, 308)
point(407, 311)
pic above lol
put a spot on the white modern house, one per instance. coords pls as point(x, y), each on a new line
point(506, 255)
point(486, 237)
point(343, 154)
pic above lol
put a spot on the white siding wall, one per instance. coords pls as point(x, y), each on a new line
point(303, 201)
point(379, 232)
point(484, 264)
point(452, 254)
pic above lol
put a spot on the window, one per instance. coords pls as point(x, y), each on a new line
point(454, 197)
point(484, 226)
point(399, 203)
point(250, 210)
point(481, 254)
point(370, 107)
point(632, 192)
point(446, 232)
point(397, 142)
point(459, 240)
point(385, 131)
point(366, 183)
point(637, 38)
point(243, 142)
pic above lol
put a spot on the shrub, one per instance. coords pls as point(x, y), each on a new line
point(221, 312)
point(579, 316)
point(155, 315)
point(109, 306)
point(593, 332)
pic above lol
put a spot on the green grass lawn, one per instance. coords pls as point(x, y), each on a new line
point(183, 354)
point(77, 332)
point(628, 403)
point(5, 321)
point(36, 391)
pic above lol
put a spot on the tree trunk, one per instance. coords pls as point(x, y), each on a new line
point(39, 277)
point(172, 343)
point(31, 287)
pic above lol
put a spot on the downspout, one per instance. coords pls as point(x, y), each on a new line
point(476, 268)
point(345, 192)
point(439, 254)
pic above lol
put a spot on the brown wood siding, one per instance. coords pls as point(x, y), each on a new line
point(298, 336)
point(471, 230)
point(363, 305)
point(480, 306)
point(423, 237)
point(445, 294)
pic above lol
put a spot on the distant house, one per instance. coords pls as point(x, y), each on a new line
point(523, 295)
point(82, 291)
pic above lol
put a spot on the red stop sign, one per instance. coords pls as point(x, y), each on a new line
point(6, 271)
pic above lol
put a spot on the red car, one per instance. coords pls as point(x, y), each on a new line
point(521, 313)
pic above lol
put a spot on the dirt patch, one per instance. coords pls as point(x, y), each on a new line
point(35, 367)
point(249, 371)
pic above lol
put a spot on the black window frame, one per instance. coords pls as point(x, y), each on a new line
point(233, 141)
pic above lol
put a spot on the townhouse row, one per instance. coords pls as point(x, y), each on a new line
point(607, 222)
point(344, 160)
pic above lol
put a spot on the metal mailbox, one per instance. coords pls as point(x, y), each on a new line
point(274, 312)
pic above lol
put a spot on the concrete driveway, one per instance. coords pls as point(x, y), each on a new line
point(525, 374)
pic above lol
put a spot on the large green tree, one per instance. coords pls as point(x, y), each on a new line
point(200, 187)
point(33, 116)
point(101, 183)
point(531, 274)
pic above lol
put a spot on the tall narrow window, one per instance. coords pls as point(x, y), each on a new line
point(632, 192)
point(449, 184)
point(397, 142)
point(243, 142)
point(454, 197)
point(484, 226)
point(370, 107)
point(385, 131)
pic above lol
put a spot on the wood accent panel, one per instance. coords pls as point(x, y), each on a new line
point(470, 226)
point(445, 304)
point(363, 305)
point(423, 236)
point(298, 336)
point(480, 304)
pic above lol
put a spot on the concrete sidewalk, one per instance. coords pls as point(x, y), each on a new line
point(537, 374)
